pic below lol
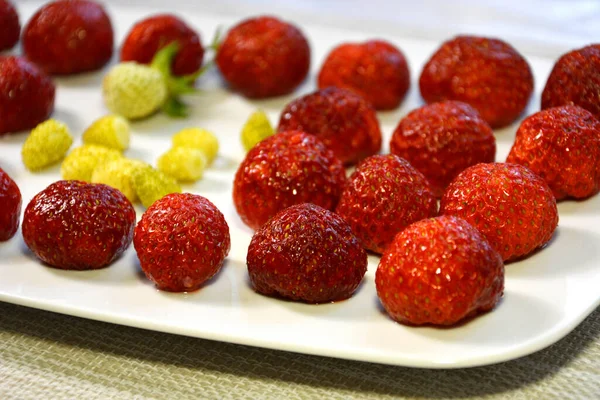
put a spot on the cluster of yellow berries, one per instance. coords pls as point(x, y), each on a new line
point(100, 159)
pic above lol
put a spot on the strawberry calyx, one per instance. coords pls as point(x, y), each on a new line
point(176, 86)
point(180, 85)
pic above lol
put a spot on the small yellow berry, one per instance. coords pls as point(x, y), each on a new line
point(151, 185)
point(82, 161)
point(256, 129)
point(200, 139)
point(183, 163)
point(134, 90)
point(110, 131)
point(46, 144)
point(118, 174)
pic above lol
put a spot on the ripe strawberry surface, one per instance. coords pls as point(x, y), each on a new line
point(283, 170)
point(382, 197)
point(344, 121)
point(68, 37)
point(306, 253)
point(10, 204)
point(486, 73)
point(78, 226)
point(510, 205)
point(562, 145)
point(181, 242)
point(264, 57)
point(575, 80)
point(439, 271)
point(442, 139)
point(149, 35)
point(10, 27)
point(26, 95)
point(376, 70)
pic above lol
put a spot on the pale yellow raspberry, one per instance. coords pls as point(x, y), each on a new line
point(47, 144)
point(256, 129)
point(81, 162)
point(183, 163)
point(151, 185)
point(110, 131)
point(200, 139)
point(119, 174)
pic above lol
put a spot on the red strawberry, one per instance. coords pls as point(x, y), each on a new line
point(264, 57)
point(78, 226)
point(383, 196)
point(575, 80)
point(306, 253)
point(376, 70)
point(10, 28)
point(562, 145)
point(439, 271)
point(442, 139)
point(153, 33)
point(181, 241)
point(69, 36)
point(344, 121)
point(10, 204)
point(26, 95)
point(510, 205)
point(286, 169)
point(488, 74)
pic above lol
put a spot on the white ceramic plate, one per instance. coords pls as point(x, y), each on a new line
point(546, 295)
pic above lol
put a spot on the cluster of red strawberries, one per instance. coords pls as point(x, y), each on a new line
point(313, 224)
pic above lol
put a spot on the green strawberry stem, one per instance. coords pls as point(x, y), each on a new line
point(176, 86)
point(181, 85)
point(216, 40)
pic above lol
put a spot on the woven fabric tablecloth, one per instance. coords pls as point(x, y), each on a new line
point(50, 356)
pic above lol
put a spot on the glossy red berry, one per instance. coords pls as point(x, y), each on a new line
point(562, 145)
point(489, 74)
point(439, 271)
point(511, 206)
point(383, 196)
point(442, 139)
point(10, 204)
point(376, 70)
point(344, 121)
point(575, 80)
point(78, 226)
point(283, 170)
point(264, 57)
point(181, 241)
point(306, 253)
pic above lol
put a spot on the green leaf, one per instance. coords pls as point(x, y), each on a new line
point(163, 59)
point(174, 107)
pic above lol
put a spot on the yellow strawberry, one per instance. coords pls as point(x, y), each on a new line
point(110, 131)
point(183, 163)
point(196, 138)
point(81, 162)
point(257, 128)
point(134, 90)
point(119, 174)
point(137, 91)
point(46, 144)
point(151, 185)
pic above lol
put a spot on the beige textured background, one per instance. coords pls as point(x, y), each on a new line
point(51, 356)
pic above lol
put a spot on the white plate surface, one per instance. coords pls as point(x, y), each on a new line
point(546, 296)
